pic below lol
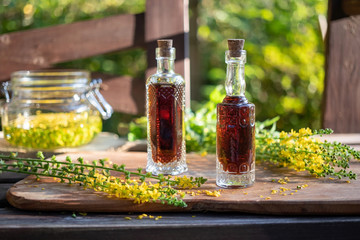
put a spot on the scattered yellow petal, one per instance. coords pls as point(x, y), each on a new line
point(127, 218)
point(213, 193)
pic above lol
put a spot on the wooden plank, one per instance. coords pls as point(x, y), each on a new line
point(7, 177)
point(169, 19)
point(40, 225)
point(40, 48)
point(125, 94)
point(203, 226)
point(342, 87)
point(349, 138)
point(322, 197)
point(3, 189)
point(351, 7)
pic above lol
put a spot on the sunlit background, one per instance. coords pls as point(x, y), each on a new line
point(285, 49)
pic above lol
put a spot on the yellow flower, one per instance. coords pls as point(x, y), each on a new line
point(185, 182)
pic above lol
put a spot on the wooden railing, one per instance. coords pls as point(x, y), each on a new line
point(341, 110)
point(42, 48)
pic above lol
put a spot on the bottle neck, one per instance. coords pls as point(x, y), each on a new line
point(165, 65)
point(235, 79)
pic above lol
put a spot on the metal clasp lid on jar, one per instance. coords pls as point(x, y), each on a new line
point(97, 100)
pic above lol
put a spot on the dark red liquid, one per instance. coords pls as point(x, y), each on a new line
point(235, 134)
point(166, 121)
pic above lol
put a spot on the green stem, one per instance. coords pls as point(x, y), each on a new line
point(87, 166)
point(36, 174)
point(41, 168)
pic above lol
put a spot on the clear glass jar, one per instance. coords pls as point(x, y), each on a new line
point(52, 109)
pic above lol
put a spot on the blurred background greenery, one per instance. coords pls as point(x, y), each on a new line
point(285, 64)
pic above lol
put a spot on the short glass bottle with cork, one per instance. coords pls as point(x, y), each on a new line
point(165, 103)
point(235, 130)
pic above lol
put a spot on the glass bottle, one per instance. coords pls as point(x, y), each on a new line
point(235, 130)
point(52, 109)
point(165, 103)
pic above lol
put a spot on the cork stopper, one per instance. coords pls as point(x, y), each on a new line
point(165, 46)
point(235, 47)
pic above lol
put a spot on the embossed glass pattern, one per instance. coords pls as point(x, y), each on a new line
point(165, 113)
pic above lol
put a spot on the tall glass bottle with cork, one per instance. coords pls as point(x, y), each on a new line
point(235, 130)
point(165, 103)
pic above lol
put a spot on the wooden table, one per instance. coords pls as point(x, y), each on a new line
point(17, 224)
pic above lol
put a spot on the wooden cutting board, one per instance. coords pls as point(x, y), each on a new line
point(322, 196)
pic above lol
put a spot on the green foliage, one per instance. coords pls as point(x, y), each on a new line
point(284, 72)
point(137, 129)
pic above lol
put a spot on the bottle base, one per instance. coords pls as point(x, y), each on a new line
point(175, 167)
point(235, 180)
point(229, 180)
point(166, 169)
